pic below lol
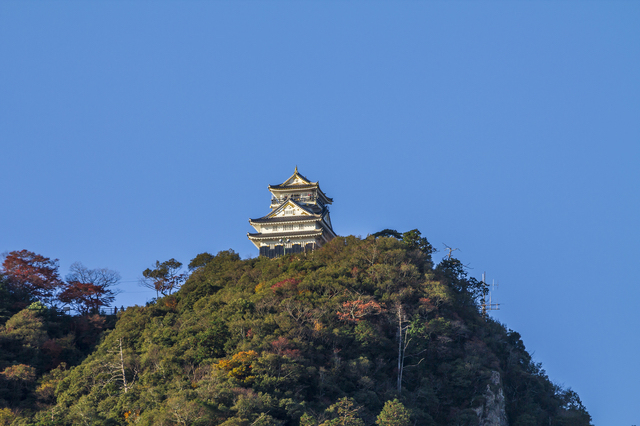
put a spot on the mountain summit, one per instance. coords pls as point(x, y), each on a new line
point(359, 332)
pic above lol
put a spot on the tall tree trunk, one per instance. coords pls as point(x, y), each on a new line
point(124, 376)
point(400, 352)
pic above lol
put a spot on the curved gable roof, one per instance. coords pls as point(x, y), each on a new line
point(296, 180)
point(299, 182)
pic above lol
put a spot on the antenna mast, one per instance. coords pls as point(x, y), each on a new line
point(487, 306)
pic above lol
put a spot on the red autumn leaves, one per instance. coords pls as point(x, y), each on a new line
point(32, 276)
point(355, 310)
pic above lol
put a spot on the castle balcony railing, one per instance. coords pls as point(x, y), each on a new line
point(283, 199)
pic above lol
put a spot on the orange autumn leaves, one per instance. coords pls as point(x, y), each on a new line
point(355, 310)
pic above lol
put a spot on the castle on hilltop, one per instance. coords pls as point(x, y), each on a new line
point(299, 220)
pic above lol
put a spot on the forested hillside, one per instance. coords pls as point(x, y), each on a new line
point(361, 332)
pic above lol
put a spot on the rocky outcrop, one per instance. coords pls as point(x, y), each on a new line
point(492, 412)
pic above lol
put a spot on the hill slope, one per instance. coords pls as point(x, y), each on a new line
point(325, 338)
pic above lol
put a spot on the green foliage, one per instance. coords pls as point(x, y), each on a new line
point(388, 233)
point(345, 413)
point(414, 240)
point(200, 261)
point(36, 345)
point(7, 301)
point(309, 339)
point(6, 417)
point(37, 307)
point(37, 341)
point(165, 277)
point(394, 413)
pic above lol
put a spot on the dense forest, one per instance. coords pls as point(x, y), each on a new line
point(361, 332)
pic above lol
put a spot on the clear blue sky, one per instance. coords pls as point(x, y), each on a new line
point(132, 132)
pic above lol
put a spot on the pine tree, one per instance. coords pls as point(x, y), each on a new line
point(393, 414)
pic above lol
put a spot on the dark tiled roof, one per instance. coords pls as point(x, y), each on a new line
point(313, 208)
point(299, 218)
point(309, 208)
point(307, 185)
point(296, 187)
point(297, 173)
point(285, 234)
point(299, 187)
point(303, 177)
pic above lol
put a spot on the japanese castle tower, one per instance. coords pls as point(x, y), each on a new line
point(299, 219)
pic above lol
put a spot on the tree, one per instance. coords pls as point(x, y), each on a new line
point(345, 412)
point(200, 260)
point(164, 278)
point(118, 369)
point(6, 301)
point(572, 412)
point(261, 341)
point(6, 417)
point(87, 290)
point(416, 241)
point(355, 310)
point(403, 343)
point(452, 271)
point(413, 239)
point(393, 413)
point(31, 275)
point(19, 377)
point(388, 233)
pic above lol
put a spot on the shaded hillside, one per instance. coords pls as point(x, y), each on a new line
point(38, 341)
point(37, 344)
point(359, 331)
